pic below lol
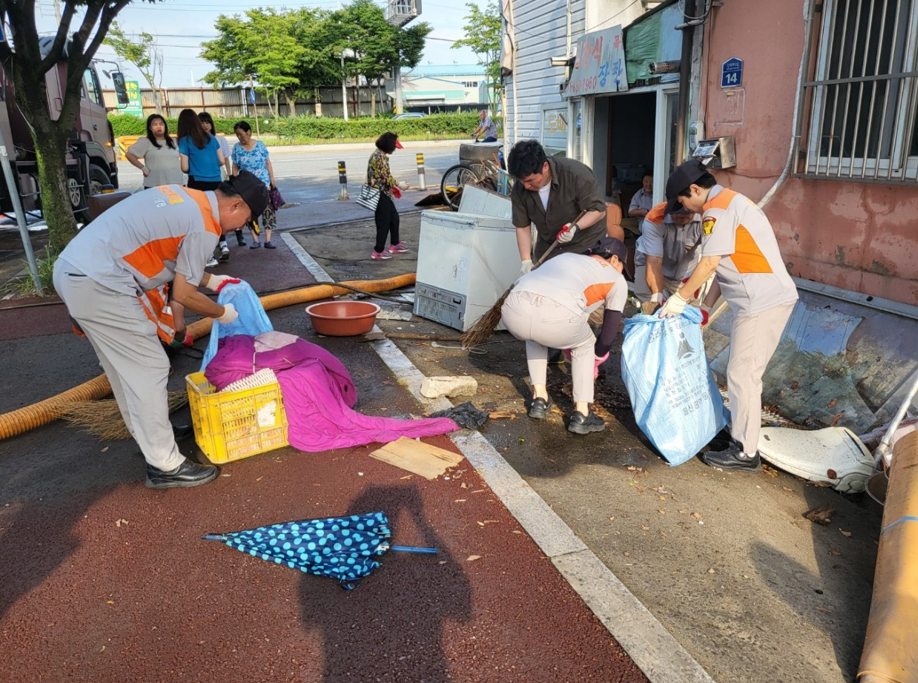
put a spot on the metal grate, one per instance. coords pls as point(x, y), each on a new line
point(865, 92)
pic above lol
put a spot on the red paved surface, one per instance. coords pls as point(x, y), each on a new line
point(84, 599)
point(104, 580)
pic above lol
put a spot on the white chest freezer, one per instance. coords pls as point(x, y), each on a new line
point(465, 263)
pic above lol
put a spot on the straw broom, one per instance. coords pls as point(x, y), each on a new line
point(484, 327)
point(103, 418)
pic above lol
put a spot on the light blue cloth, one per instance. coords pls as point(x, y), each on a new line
point(252, 318)
point(675, 400)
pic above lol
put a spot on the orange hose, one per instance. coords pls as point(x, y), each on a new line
point(43, 412)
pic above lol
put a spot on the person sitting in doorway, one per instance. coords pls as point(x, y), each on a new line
point(642, 201)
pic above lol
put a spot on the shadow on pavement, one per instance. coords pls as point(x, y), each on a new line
point(814, 593)
point(409, 594)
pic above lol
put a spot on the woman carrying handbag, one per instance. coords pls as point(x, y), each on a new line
point(379, 177)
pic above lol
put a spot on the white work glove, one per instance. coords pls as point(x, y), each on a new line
point(229, 314)
point(145, 171)
point(218, 282)
point(566, 234)
point(674, 306)
point(403, 185)
point(525, 267)
point(657, 298)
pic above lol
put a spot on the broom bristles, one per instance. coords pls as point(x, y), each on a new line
point(103, 418)
point(484, 327)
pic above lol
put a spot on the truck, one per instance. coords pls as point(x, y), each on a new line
point(91, 158)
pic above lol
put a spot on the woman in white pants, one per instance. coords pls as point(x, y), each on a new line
point(550, 308)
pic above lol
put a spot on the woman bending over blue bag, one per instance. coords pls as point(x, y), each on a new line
point(550, 307)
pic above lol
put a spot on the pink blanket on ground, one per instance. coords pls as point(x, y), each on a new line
point(318, 396)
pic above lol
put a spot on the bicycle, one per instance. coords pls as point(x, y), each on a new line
point(487, 173)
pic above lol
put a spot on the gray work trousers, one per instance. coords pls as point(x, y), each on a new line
point(752, 344)
point(543, 323)
point(133, 359)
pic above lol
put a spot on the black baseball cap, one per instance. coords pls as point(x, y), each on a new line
point(252, 190)
point(680, 179)
point(607, 247)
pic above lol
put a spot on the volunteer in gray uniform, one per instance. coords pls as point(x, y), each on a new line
point(550, 194)
point(551, 307)
point(666, 253)
point(739, 246)
point(164, 234)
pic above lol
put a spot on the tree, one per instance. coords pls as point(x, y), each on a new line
point(379, 48)
point(142, 52)
point(285, 51)
point(27, 58)
point(482, 30)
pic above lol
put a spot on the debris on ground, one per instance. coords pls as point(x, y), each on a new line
point(465, 415)
point(454, 385)
point(821, 515)
point(417, 457)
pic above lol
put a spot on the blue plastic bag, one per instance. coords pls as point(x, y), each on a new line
point(674, 397)
point(252, 318)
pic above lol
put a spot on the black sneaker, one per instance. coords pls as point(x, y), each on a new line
point(240, 240)
point(185, 475)
point(581, 424)
point(733, 458)
point(538, 410)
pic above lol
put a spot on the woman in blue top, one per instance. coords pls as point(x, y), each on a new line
point(199, 152)
point(202, 160)
point(252, 155)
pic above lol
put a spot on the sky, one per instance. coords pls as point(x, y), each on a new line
point(180, 26)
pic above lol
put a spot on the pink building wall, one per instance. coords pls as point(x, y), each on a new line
point(858, 236)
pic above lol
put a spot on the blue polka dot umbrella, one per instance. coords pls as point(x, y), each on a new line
point(344, 548)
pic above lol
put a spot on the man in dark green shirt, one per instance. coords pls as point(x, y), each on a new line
point(551, 193)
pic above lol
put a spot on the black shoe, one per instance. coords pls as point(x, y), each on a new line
point(733, 458)
point(240, 240)
point(182, 432)
point(538, 409)
point(185, 475)
point(581, 424)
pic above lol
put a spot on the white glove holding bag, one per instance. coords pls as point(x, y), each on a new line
point(674, 306)
point(525, 267)
point(229, 315)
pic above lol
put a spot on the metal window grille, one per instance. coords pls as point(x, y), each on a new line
point(864, 94)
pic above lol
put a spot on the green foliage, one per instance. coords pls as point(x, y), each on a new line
point(327, 128)
point(294, 51)
point(24, 286)
point(483, 29)
point(142, 52)
point(305, 128)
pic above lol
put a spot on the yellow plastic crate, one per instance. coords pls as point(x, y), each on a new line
point(233, 425)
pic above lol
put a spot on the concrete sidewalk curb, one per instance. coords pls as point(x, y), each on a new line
point(644, 638)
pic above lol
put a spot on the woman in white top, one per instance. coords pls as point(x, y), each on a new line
point(161, 164)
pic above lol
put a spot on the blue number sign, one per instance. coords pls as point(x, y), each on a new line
point(731, 73)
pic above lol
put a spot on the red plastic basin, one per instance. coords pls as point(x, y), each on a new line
point(343, 318)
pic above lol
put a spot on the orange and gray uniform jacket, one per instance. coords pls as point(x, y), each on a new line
point(751, 272)
point(677, 245)
point(137, 246)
